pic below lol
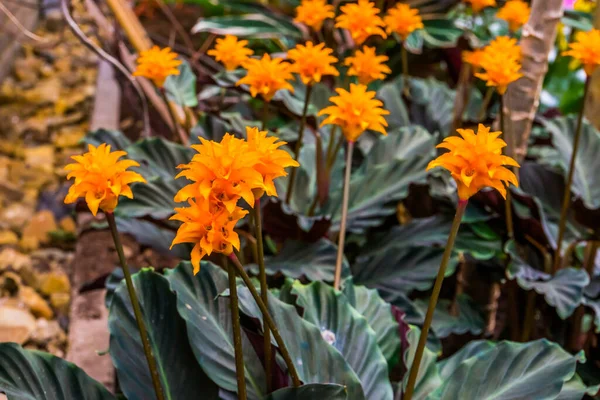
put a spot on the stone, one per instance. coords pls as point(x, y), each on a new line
point(12, 259)
point(40, 225)
point(54, 282)
point(46, 330)
point(36, 303)
point(16, 324)
point(41, 157)
point(15, 216)
point(8, 238)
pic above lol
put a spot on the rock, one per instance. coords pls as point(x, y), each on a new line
point(46, 330)
point(36, 304)
point(16, 324)
point(54, 282)
point(12, 259)
point(41, 157)
point(15, 216)
point(8, 238)
point(38, 228)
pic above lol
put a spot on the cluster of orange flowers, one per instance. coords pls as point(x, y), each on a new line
point(586, 50)
point(222, 173)
point(499, 63)
point(514, 12)
point(475, 161)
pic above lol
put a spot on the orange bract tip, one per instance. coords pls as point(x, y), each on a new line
point(101, 178)
point(313, 13)
point(231, 52)
point(586, 50)
point(367, 65)
point(157, 64)
point(475, 161)
point(312, 62)
point(361, 20)
point(478, 5)
point(516, 13)
point(403, 20)
point(266, 76)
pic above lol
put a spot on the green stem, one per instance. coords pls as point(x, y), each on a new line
point(414, 369)
point(567, 196)
point(137, 311)
point(237, 332)
point(529, 316)
point(265, 114)
point(264, 291)
point(486, 102)
point(288, 195)
point(342, 236)
point(267, 320)
point(175, 127)
point(507, 201)
point(405, 71)
point(336, 150)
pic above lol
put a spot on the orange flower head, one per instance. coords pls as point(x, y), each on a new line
point(403, 20)
point(367, 65)
point(506, 46)
point(476, 161)
point(272, 160)
point(499, 71)
point(209, 226)
point(355, 112)
point(231, 52)
point(101, 178)
point(312, 62)
point(474, 58)
point(586, 50)
point(157, 64)
point(586, 6)
point(221, 172)
point(361, 20)
point(313, 13)
point(478, 5)
point(266, 76)
point(516, 13)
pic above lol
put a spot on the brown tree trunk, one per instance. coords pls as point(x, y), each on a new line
point(537, 40)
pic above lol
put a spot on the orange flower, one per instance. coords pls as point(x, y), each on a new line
point(473, 58)
point(403, 20)
point(586, 50)
point(361, 20)
point(586, 6)
point(367, 65)
point(266, 76)
point(506, 46)
point(516, 13)
point(231, 52)
point(313, 12)
point(499, 71)
point(476, 161)
point(221, 172)
point(101, 178)
point(355, 112)
point(312, 62)
point(156, 65)
point(478, 5)
point(209, 226)
point(272, 161)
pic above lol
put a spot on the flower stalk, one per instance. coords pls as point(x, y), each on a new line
point(507, 202)
point(175, 125)
point(267, 320)
point(414, 369)
point(406, 89)
point(264, 290)
point(137, 311)
point(567, 196)
point(342, 235)
point(298, 147)
point(237, 332)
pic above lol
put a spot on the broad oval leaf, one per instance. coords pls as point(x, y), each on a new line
point(509, 370)
point(346, 330)
point(428, 377)
point(261, 26)
point(468, 320)
point(181, 88)
point(208, 319)
point(312, 391)
point(180, 374)
point(34, 375)
point(315, 360)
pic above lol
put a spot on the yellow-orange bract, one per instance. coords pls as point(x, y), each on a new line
point(478, 5)
point(157, 64)
point(355, 112)
point(221, 172)
point(312, 62)
point(231, 52)
point(272, 161)
point(473, 58)
point(584, 5)
point(500, 62)
point(403, 20)
point(208, 225)
point(101, 178)
point(361, 20)
point(367, 65)
point(266, 76)
point(313, 12)
point(586, 50)
point(516, 13)
point(476, 161)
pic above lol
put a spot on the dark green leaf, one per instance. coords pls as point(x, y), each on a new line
point(180, 374)
point(311, 391)
point(469, 319)
point(152, 235)
point(262, 26)
point(428, 377)
point(440, 32)
point(116, 139)
point(579, 20)
point(181, 88)
point(34, 375)
point(346, 330)
point(208, 320)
